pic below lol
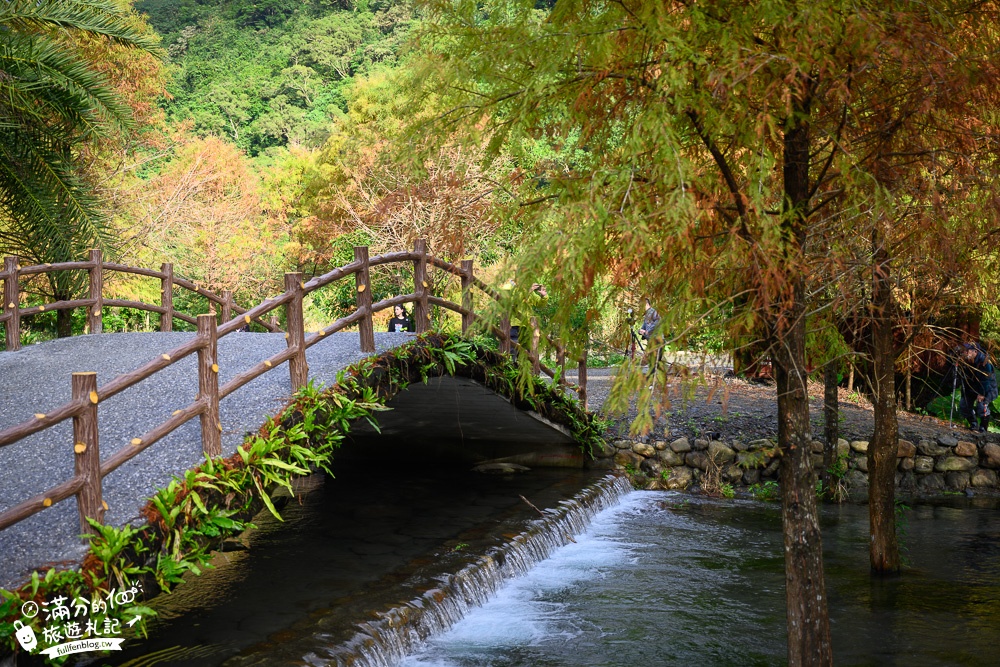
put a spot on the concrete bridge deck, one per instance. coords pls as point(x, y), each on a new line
point(37, 379)
point(450, 419)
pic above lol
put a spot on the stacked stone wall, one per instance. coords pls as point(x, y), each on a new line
point(945, 463)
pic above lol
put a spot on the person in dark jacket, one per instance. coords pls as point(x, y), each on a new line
point(400, 321)
point(973, 369)
point(650, 320)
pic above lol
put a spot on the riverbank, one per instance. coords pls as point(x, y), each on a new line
point(719, 434)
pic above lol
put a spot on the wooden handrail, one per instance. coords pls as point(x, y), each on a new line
point(256, 371)
point(82, 408)
point(12, 312)
point(57, 305)
point(137, 270)
point(60, 266)
point(138, 444)
point(36, 504)
point(137, 305)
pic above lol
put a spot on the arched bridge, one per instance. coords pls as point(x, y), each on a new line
point(109, 418)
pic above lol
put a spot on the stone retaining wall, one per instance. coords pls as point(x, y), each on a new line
point(929, 466)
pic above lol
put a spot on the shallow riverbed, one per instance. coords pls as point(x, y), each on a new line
point(666, 579)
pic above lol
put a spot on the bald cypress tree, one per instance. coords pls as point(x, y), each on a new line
point(718, 149)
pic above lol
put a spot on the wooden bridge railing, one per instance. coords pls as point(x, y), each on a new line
point(86, 395)
point(95, 266)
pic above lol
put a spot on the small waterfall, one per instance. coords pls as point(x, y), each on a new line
point(387, 640)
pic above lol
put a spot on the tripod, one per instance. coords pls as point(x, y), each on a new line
point(636, 342)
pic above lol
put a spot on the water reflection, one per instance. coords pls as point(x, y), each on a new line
point(353, 544)
point(668, 580)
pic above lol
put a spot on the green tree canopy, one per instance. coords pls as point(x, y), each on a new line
point(723, 147)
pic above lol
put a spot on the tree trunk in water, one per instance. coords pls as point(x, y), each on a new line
point(831, 422)
point(805, 590)
point(884, 443)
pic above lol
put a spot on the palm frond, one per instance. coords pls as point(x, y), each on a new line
point(90, 16)
point(51, 99)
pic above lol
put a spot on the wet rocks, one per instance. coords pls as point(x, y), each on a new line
point(946, 440)
point(644, 450)
point(651, 467)
point(626, 459)
point(604, 451)
point(928, 467)
point(931, 448)
point(720, 453)
point(981, 477)
point(965, 448)
point(991, 456)
point(670, 458)
point(732, 474)
point(680, 478)
point(680, 445)
point(954, 464)
point(905, 448)
point(857, 482)
point(697, 460)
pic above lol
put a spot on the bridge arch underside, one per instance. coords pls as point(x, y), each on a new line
point(458, 421)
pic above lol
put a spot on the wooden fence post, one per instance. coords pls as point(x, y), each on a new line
point(581, 380)
point(87, 459)
point(167, 297)
point(467, 277)
point(296, 335)
point(227, 305)
point(363, 285)
point(505, 344)
point(94, 320)
point(12, 303)
point(208, 385)
point(421, 313)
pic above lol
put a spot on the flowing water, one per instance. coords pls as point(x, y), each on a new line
point(664, 579)
point(405, 549)
point(444, 568)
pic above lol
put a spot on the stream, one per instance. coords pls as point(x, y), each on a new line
point(447, 568)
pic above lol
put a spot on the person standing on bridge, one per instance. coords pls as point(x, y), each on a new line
point(518, 322)
point(401, 321)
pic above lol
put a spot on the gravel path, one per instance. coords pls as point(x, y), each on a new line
point(736, 408)
point(37, 379)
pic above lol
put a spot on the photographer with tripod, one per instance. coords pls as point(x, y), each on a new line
point(972, 370)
